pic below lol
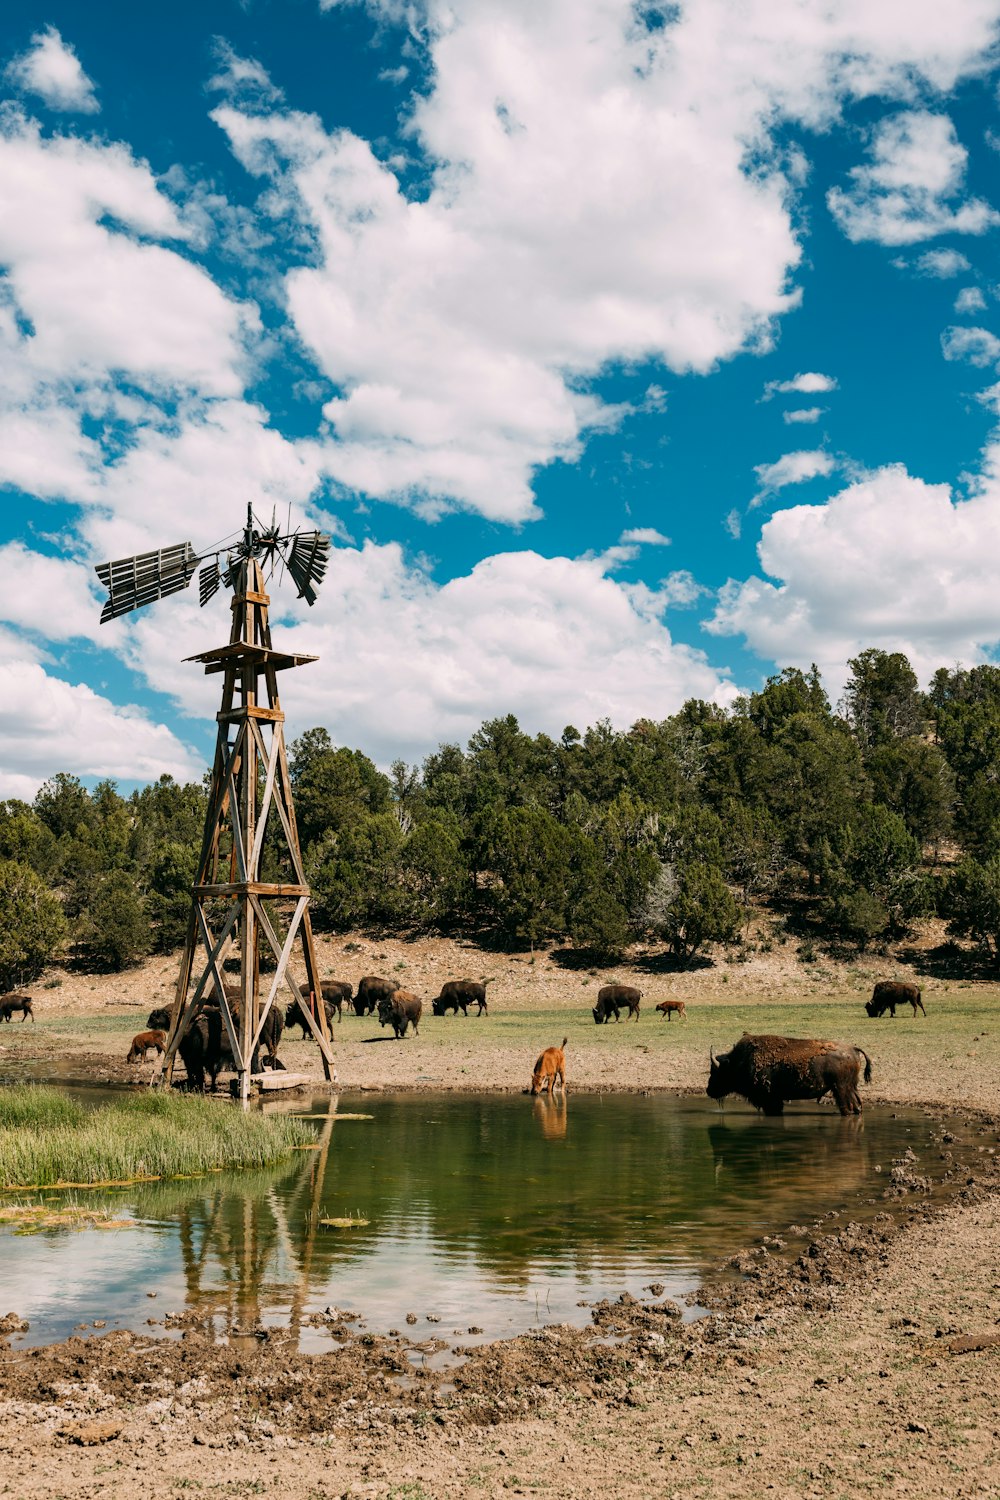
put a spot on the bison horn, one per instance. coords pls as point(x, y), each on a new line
point(711, 1056)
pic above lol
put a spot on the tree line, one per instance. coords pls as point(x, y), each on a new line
point(861, 819)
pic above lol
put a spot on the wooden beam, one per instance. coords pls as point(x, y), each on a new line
point(250, 888)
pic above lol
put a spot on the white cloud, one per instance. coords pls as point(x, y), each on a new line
point(51, 725)
point(889, 562)
point(242, 78)
point(804, 414)
point(50, 69)
point(977, 346)
point(792, 468)
point(553, 640)
point(970, 300)
point(810, 383)
point(938, 263)
point(54, 597)
point(645, 536)
point(912, 188)
point(589, 202)
point(682, 589)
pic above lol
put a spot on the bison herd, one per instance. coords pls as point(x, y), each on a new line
point(767, 1071)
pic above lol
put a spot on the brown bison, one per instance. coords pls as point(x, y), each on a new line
point(888, 993)
point(401, 1009)
point(458, 995)
point(768, 1071)
point(550, 1069)
point(371, 990)
point(205, 1046)
point(142, 1043)
point(336, 994)
point(11, 1003)
point(612, 999)
point(671, 1008)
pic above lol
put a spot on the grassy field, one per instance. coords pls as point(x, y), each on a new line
point(47, 1139)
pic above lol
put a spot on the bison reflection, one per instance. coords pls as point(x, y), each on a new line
point(550, 1112)
point(768, 1071)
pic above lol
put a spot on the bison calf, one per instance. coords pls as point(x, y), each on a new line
point(671, 1008)
point(550, 1069)
point(142, 1043)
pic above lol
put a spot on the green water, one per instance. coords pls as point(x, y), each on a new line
point(493, 1212)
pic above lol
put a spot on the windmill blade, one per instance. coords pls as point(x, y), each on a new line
point(307, 558)
point(132, 582)
point(208, 581)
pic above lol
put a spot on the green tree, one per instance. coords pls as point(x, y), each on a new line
point(534, 860)
point(169, 898)
point(32, 926)
point(972, 903)
point(882, 698)
point(689, 906)
point(117, 926)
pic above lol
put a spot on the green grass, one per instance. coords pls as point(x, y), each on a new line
point(50, 1139)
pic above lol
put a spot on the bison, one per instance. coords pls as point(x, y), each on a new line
point(888, 993)
point(205, 1046)
point(550, 1069)
point(371, 990)
point(401, 1009)
point(11, 1003)
point(336, 994)
point(671, 1008)
point(458, 995)
point(612, 999)
point(142, 1043)
point(768, 1071)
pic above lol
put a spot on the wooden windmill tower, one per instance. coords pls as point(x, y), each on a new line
point(250, 895)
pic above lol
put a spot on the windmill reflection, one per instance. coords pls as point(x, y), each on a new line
point(242, 1259)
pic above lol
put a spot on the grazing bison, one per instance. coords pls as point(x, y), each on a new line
point(11, 1003)
point(888, 993)
point(206, 1047)
point(671, 1008)
point(612, 999)
point(550, 1069)
point(336, 994)
point(371, 990)
point(142, 1043)
point(458, 995)
point(401, 1009)
point(767, 1071)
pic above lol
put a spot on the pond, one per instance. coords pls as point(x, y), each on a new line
point(490, 1213)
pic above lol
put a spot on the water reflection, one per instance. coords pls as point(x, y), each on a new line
point(484, 1211)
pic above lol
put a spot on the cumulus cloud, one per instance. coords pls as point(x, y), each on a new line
point(589, 202)
point(50, 70)
point(891, 562)
point(804, 414)
point(912, 189)
point(51, 725)
point(792, 468)
point(970, 300)
point(681, 589)
point(810, 383)
point(551, 639)
point(975, 346)
point(941, 264)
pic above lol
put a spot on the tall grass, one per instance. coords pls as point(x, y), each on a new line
point(47, 1139)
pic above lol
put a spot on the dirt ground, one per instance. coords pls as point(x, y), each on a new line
point(867, 1364)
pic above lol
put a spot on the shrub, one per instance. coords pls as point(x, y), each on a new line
point(32, 926)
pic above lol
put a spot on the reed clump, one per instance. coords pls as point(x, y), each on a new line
point(49, 1140)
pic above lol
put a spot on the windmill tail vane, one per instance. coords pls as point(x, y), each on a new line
point(135, 581)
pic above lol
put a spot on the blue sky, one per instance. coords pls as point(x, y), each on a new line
point(627, 353)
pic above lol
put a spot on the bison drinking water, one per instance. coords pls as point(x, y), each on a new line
point(614, 998)
point(550, 1069)
point(768, 1071)
point(888, 993)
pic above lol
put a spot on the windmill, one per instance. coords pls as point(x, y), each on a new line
point(233, 907)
